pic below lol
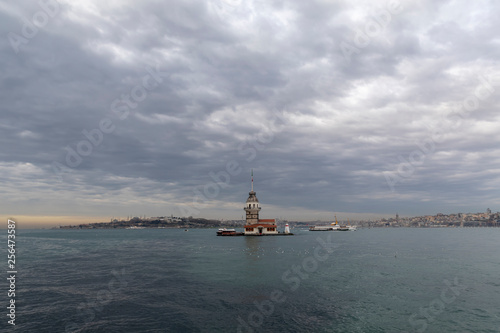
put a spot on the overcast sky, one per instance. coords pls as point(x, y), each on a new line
point(355, 108)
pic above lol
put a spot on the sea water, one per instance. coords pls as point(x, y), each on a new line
point(170, 280)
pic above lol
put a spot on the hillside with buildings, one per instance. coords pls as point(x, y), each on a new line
point(486, 219)
point(157, 222)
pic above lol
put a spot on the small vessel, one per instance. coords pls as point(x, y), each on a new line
point(334, 226)
point(228, 232)
point(135, 227)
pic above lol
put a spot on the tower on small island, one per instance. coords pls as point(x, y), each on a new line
point(254, 225)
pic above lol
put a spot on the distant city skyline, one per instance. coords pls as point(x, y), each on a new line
point(361, 109)
point(85, 220)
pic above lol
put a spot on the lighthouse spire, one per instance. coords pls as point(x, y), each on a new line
point(252, 180)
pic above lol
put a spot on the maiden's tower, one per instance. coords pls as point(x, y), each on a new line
point(254, 225)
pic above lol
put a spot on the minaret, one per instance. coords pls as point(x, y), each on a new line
point(252, 207)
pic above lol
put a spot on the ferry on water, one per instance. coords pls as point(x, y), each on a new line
point(228, 232)
point(335, 226)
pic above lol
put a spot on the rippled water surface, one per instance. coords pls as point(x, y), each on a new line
point(169, 280)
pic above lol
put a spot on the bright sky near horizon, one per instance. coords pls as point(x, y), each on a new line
point(359, 108)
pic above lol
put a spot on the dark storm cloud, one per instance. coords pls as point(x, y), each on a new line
point(265, 85)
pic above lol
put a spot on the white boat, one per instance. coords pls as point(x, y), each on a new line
point(335, 226)
point(134, 227)
point(228, 232)
point(224, 229)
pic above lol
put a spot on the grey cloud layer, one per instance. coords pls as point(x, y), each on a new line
point(229, 67)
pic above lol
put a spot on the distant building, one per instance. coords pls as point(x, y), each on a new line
point(254, 225)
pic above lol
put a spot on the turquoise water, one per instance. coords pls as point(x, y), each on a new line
point(371, 280)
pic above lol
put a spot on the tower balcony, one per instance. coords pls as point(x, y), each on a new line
point(252, 208)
